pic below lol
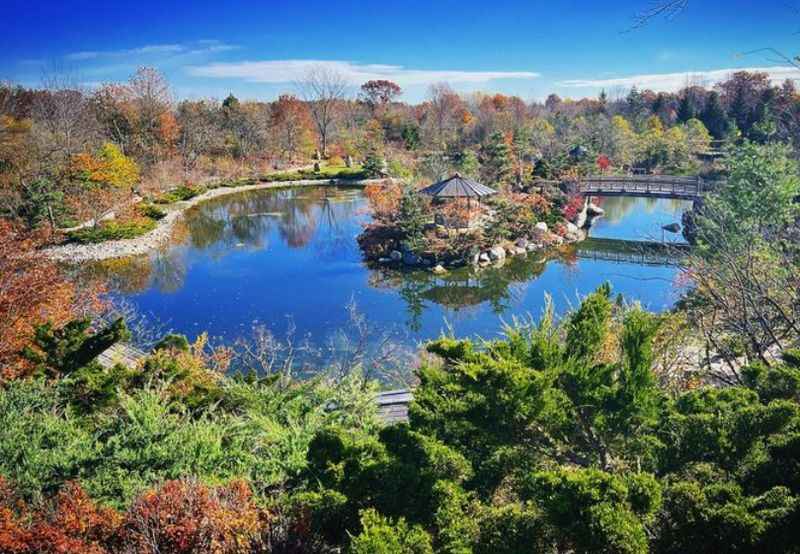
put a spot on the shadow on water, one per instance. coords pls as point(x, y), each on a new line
point(259, 257)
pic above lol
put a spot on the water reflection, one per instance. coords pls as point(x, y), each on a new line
point(258, 257)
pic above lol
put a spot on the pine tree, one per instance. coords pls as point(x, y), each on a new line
point(686, 109)
point(714, 117)
point(497, 164)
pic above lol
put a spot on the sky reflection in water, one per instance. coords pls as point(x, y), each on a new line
point(263, 257)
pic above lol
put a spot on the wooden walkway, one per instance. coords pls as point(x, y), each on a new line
point(632, 252)
point(646, 186)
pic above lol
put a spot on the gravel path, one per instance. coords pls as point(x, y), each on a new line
point(161, 234)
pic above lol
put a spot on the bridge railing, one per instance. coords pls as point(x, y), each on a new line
point(656, 185)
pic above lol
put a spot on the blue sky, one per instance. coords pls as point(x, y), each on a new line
point(529, 48)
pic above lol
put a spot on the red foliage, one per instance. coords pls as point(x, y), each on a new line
point(603, 163)
point(32, 290)
point(573, 207)
point(186, 516)
point(74, 524)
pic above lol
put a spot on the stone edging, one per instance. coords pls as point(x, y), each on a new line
point(163, 231)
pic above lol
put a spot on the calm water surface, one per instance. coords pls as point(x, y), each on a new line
point(264, 257)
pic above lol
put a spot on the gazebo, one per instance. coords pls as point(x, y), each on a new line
point(456, 187)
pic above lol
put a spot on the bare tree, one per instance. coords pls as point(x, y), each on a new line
point(64, 123)
point(444, 105)
point(660, 8)
point(323, 88)
point(745, 300)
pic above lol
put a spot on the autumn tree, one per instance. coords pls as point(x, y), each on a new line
point(199, 131)
point(32, 290)
point(444, 108)
point(323, 88)
point(155, 125)
point(64, 123)
point(378, 93)
point(292, 127)
point(186, 516)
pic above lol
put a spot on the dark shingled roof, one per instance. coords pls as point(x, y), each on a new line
point(458, 187)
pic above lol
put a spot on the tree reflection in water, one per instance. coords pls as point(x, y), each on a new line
point(224, 225)
point(463, 289)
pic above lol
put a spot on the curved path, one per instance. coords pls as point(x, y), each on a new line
point(161, 234)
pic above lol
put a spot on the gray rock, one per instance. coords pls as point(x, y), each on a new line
point(396, 255)
point(541, 226)
point(438, 269)
point(484, 258)
point(497, 253)
point(520, 251)
point(522, 242)
point(384, 260)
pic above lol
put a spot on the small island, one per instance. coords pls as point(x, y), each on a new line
point(458, 221)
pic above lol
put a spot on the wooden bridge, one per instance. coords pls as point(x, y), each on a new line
point(645, 186)
point(632, 252)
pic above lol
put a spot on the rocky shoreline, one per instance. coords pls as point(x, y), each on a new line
point(76, 253)
point(541, 240)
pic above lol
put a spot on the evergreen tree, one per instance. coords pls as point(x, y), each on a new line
point(497, 164)
point(714, 117)
point(412, 219)
point(686, 109)
point(374, 164)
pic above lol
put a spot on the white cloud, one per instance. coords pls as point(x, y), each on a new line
point(285, 71)
point(672, 82)
point(198, 47)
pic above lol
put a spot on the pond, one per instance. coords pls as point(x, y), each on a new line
point(289, 257)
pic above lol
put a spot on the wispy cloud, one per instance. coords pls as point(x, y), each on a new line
point(154, 50)
point(285, 71)
point(672, 82)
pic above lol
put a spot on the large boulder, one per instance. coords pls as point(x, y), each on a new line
point(497, 253)
point(541, 226)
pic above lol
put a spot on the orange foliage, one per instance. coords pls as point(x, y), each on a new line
point(74, 524)
point(186, 516)
point(384, 200)
point(179, 517)
point(168, 129)
point(32, 290)
point(537, 203)
point(108, 167)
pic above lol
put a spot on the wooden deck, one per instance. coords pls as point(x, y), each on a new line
point(647, 186)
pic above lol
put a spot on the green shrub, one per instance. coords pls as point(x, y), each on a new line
point(112, 230)
point(151, 211)
point(180, 194)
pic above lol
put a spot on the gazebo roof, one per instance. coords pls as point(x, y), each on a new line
point(458, 187)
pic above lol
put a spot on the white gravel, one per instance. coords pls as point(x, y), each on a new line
point(162, 233)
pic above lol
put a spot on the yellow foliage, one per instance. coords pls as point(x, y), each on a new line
point(109, 166)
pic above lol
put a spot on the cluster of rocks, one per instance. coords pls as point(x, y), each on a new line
point(541, 239)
